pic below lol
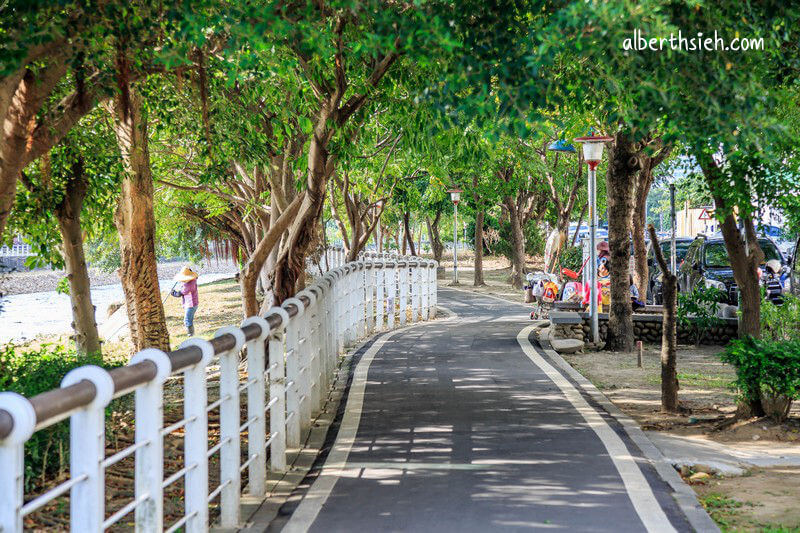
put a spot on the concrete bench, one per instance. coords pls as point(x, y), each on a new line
point(565, 317)
point(568, 306)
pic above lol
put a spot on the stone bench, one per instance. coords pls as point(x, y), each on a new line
point(565, 317)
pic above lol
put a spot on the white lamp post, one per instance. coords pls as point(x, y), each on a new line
point(593, 154)
point(455, 196)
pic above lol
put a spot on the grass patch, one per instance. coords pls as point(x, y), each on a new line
point(703, 381)
point(723, 510)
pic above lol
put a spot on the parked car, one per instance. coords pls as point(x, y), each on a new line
point(655, 288)
point(584, 230)
point(707, 262)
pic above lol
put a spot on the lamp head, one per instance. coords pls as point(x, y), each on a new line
point(561, 145)
point(455, 195)
point(593, 148)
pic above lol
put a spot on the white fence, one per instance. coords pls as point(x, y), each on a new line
point(290, 362)
point(18, 249)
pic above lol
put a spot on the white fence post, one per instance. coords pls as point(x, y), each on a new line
point(380, 299)
point(403, 283)
point(415, 287)
point(318, 342)
point(361, 300)
point(340, 309)
point(356, 298)
point(277, 391)
point(292, 379)
point(433, 287)
point(350, 294)
point(328, 345)
point(256, 409)
point(424, 281)
point(303, 357)
point(87, 440)
point(12, 459)
point(369, 275)
point(229, 433)
point(195, 438)
point(390, 271)
point(149, 470)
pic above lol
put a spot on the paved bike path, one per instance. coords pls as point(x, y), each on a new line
point(458, 426)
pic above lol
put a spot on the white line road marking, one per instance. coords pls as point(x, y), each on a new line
point(639, 491)
point(336, 463)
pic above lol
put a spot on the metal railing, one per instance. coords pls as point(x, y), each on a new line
point(289, 366)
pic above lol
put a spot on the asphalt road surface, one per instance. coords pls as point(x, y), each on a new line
point(464, 425)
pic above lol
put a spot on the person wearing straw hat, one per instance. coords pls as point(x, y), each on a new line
point(188, 293)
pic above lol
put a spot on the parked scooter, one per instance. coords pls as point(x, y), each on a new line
point(773, 277)
point(542, 289)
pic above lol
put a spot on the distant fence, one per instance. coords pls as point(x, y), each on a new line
point(289, 366)
point(13, 257)
point(17, 249)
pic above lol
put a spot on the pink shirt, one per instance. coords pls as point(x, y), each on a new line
point(189, 292)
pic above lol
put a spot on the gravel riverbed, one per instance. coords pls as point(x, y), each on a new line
point(47, 280)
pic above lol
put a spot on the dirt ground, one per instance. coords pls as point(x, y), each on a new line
point(496, 271)
point(761, 500)
point(220, 305)
point(764, 499)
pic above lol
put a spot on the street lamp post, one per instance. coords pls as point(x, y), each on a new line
point(593, 153)
point(673, 258)
point(455, 196)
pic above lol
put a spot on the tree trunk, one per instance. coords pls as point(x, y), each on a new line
point(517, 250)
point(641, 274)
point(437, 246)
point(478, 278)
point(135, 222)
point(743, 251)
point(407, 235)
point(68, 212)
point(252, 269)
point(669, 333)
point(292, 258)
point(745, 271)
point(623, 164)
point(562, 225)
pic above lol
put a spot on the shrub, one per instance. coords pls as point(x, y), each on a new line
point(534, 240)
point(698, 309)
point(30, 372)
point(781, 322)
point(766, 370)
point(572, 258)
